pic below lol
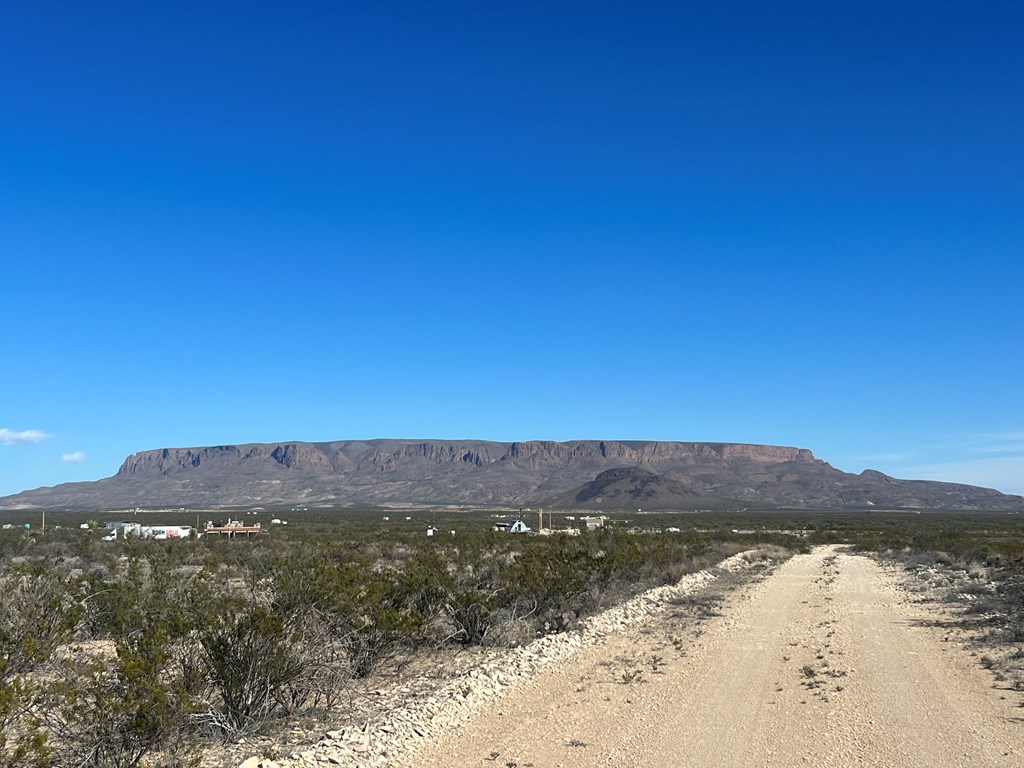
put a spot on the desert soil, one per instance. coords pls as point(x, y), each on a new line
point(824, 663)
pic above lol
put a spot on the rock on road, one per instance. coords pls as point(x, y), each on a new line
point(825, 663)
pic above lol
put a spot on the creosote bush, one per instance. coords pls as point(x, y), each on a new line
point(38, 614)
point(117, 712)
point(249, 657)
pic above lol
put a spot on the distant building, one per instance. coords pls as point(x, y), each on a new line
point(593, 523)
point(234, 529)
point(517, 526)
point(123, 529)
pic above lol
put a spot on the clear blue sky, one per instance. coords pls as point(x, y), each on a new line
point(791, 223)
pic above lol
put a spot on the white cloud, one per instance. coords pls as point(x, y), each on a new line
point(13, 437)
point(1004, 473)
point(73, 458)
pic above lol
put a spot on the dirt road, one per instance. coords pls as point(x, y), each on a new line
point(825, 663)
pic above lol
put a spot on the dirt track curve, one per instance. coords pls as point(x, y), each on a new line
point(825, 663)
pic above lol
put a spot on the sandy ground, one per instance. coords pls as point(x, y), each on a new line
point(825, 663)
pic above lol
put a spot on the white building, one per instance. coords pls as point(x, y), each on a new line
point(126, 528)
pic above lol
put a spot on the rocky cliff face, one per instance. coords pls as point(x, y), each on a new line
point(388, 455)
point(374, 472)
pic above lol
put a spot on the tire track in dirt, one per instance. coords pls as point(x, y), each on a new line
point(824, 663)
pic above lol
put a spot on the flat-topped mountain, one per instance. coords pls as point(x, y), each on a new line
point(381, 472)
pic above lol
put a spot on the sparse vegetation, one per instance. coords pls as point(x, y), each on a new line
point(130, 652)
point(975, 568)
point(137, 652)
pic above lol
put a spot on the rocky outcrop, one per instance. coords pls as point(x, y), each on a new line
point(479, 472)
point(301, 455)
point(168, 460)
point(768, 454)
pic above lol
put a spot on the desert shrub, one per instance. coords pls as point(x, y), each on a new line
point(116, 712)
point(472, 615)
point(119, 700)
point(143, 596)
point(1010, 590)
point(89, 708)
point(346, 604)
point(16, 543)
point(613, 557)
point(304, 594)
point(38, 612)
point(249, 659)
point(22, 743)
point(548, 584)
point(427, 588)
point(378, 618)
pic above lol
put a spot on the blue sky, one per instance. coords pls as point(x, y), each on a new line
point(790, 223)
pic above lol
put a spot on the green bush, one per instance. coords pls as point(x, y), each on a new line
point(29, 748)
point(249, 658)
point(114, 713)
point(39, 612)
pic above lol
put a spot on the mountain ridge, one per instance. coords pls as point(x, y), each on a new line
point(480, 472)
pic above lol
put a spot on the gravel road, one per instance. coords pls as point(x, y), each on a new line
point(825, 663)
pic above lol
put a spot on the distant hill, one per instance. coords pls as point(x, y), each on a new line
point(636, 488)
point(476, 472)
